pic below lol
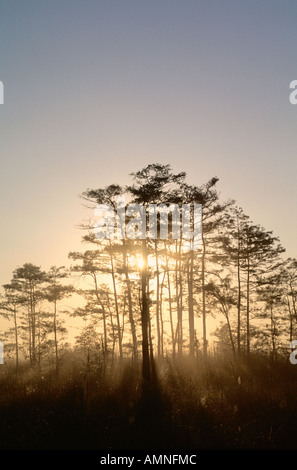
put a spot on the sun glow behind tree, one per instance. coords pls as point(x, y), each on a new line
point(182, 295)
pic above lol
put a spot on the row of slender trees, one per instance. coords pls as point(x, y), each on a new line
point(151, 297)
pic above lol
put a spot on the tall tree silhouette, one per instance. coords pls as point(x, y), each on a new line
point(154, 184)
point(29, 280)
point(54, 293)
point(234, 248)
point(10, 307)
point(109, 196)
point(261, 259)
point(213, 221)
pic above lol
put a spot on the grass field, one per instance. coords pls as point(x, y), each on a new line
point(211, 405)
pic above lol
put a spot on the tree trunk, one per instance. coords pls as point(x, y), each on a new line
point(161, 315)
point(116, 304)
point(145, 317)
point(170, 302)
point(55, 337)
point(16, 339)
point(33, 326)
point(158, 301)
point(103, 314)
point(39, 338)
point(29, 335)
point(229, 331)
point(291, 318)
point(180, 320)
point(273, 334)
point(293, 300)
point(203, 297)
point(191, 305)
point(130, 304)
point(178, 294)
point(239, 297)
point(248, 309)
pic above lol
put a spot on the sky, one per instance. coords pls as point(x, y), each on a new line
point(95, 90)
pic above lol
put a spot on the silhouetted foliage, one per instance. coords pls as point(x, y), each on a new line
point(145, 370)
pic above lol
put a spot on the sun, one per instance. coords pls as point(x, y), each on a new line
point(140, 262)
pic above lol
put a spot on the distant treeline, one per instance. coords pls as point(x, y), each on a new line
point(146, 297)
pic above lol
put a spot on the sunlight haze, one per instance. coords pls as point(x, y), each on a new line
point(96, 90)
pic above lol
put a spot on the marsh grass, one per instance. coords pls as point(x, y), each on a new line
point(212, 405)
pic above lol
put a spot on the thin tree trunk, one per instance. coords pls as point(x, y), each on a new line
point(103, 313)
point(161, 315)
point(39, 338)
point(130, 304)
point(180, 320)
point(170, 302)
point(248, 309)
point(191, 305)
point(273, 332)
point(203, 297)
point(239, 296)
point(16, 339)
point(113, 335)
point(291, 319)
point(178, 299)
point(158, 300)
point(33, 326)
point(293, 301)
point(116, 303)
point(29, 334)
point(145, 317)
point(55, 337)
point(229, 331)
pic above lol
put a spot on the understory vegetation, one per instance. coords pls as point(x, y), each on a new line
point(200, 404)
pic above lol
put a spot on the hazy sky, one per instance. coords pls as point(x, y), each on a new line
point(97, 89)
